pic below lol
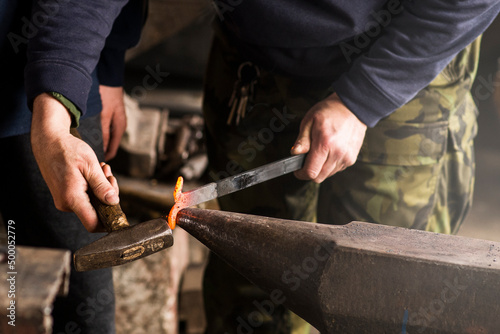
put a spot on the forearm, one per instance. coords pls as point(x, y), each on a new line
point(411, 51)
point(64, 51)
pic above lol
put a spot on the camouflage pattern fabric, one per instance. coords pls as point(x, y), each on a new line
point(415, 169)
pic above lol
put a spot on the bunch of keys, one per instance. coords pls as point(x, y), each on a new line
point(248, 74)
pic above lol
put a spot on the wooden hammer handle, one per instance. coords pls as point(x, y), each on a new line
point(111, 216)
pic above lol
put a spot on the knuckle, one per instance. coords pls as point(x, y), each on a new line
point(329, 141)
point(325, 137)
point(319, 180)
point(67, 199)
point(100, 188)
point(350, 160)
point(311, 173)
point(316, 181)
point(63, 202)
point(324, 144)
point(348, 163)
point(318, 115)
point(59, 205)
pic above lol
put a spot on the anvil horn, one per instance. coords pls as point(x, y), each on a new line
point(360, 277)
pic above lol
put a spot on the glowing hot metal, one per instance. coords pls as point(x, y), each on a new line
point(231, 184)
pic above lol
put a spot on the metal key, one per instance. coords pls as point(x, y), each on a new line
point(242, 105)
point(243, 89)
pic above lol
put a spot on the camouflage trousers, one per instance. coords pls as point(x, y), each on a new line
point(415, 169)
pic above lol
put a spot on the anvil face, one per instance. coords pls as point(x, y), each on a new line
point(125, 245)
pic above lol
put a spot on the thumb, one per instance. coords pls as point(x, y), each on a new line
point(101, 187)
point(303, 142)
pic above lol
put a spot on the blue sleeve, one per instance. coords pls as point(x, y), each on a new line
point(65, 46)
point(125, 34)
point(415, 46)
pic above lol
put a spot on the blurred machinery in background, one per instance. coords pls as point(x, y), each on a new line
point(162, 145)
point(164, 76)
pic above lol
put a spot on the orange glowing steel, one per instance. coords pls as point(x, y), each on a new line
point(178, 188)
point(172, 216)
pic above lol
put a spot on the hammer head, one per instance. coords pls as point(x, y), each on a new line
point(124, 245)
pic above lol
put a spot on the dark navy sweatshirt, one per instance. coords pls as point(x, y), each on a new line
point(55, 57)
point(378, 54)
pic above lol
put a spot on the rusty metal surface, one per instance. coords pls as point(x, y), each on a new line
point(125, 245)
point(360, 278)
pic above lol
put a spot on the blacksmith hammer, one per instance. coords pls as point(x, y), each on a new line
point(123, 243)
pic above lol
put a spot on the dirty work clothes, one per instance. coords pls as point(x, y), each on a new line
point(415, 169)
point(25, 199)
